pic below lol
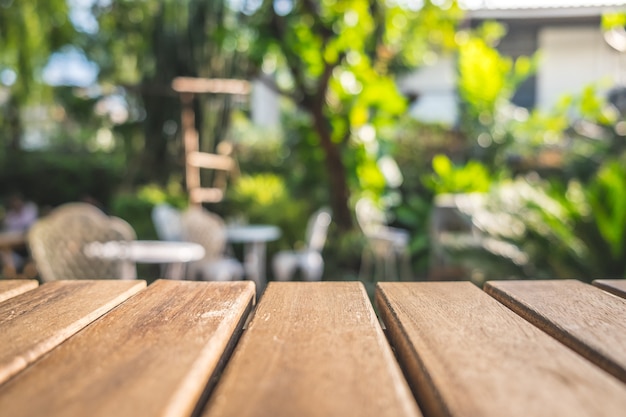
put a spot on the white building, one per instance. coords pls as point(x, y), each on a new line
point(574, 53)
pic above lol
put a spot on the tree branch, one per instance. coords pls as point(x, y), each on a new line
point(277, 26)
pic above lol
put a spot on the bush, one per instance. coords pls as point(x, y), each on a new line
point(50, 179)
point(264, 199)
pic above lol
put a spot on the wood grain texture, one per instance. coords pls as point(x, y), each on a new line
point(12, 287)
point(465, 354)
point(28, 330)
point(614, 286)
point(312, 349)
point(152, 356)
point(585, 318)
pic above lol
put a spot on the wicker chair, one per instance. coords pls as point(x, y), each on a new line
point(56, 244)
point(208, 229)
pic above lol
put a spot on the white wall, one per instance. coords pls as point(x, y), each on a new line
point(436, 86)
point(264, 105)
point(572, 58)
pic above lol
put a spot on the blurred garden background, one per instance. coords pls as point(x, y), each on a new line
point(425, 107)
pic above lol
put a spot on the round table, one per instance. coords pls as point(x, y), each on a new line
point(176, 254)
point(254, 238)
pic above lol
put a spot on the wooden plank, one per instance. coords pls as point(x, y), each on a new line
point(207, 195)
point(614, 286)
point(12, 287)
point(210, 85)
point(210, 161)
point(312, 349)
point(29, 330)
point(465, 354)
point(585, 318)
point(152, 356)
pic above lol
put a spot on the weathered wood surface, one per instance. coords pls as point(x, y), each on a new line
point(12, 287)
point(585, 318)
point(465, 354)
point(152, 356)
point(313, 349)
point(35, 322)
point(614, 286)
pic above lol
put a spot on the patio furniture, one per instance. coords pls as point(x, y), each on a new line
point(168, 226)
point(56, 244)
point(222, 162)
point(167, 222)
point(385, 247)
point(179, 348)
point(173, 256)
point(308, 260)
point(209, 230)
point(254, 238)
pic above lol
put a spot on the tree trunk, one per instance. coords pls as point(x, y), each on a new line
point(15, 125)
point(339, 194)
point(156, 162)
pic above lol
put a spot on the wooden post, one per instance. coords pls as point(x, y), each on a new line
point(187, 87)
point(191, 144)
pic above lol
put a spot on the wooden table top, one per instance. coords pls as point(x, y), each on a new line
point(11, 287)
point(181, 348)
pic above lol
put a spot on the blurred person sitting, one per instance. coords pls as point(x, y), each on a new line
point(19, 216)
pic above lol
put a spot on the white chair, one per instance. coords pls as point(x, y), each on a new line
point(168, 225)
point(388, 246)
point(167, 222)
point(308, 260)
point(208, 229)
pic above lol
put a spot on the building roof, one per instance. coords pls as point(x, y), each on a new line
point(536, 4)
point(525, 9)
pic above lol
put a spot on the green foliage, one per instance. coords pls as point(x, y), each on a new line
point(136, 210)
point(136, 207)
point(483, 78)
point(414, 146)
point(172, 194)
point(413, 214)
point(580, 132)
point(450, 178)
point(575, 230)
point(571, 226)
point(487, 82)
point(30, 31)
point(607, 200)
point(538, 129)
point(292, 152)
point(264, 199)
point(140, 47)
point(611, 20)
point(50, 179)
point(333, 59)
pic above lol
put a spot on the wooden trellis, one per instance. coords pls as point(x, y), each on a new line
point(222, 161)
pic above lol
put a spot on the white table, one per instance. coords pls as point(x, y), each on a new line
point(254, 238)
point(175, 254)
